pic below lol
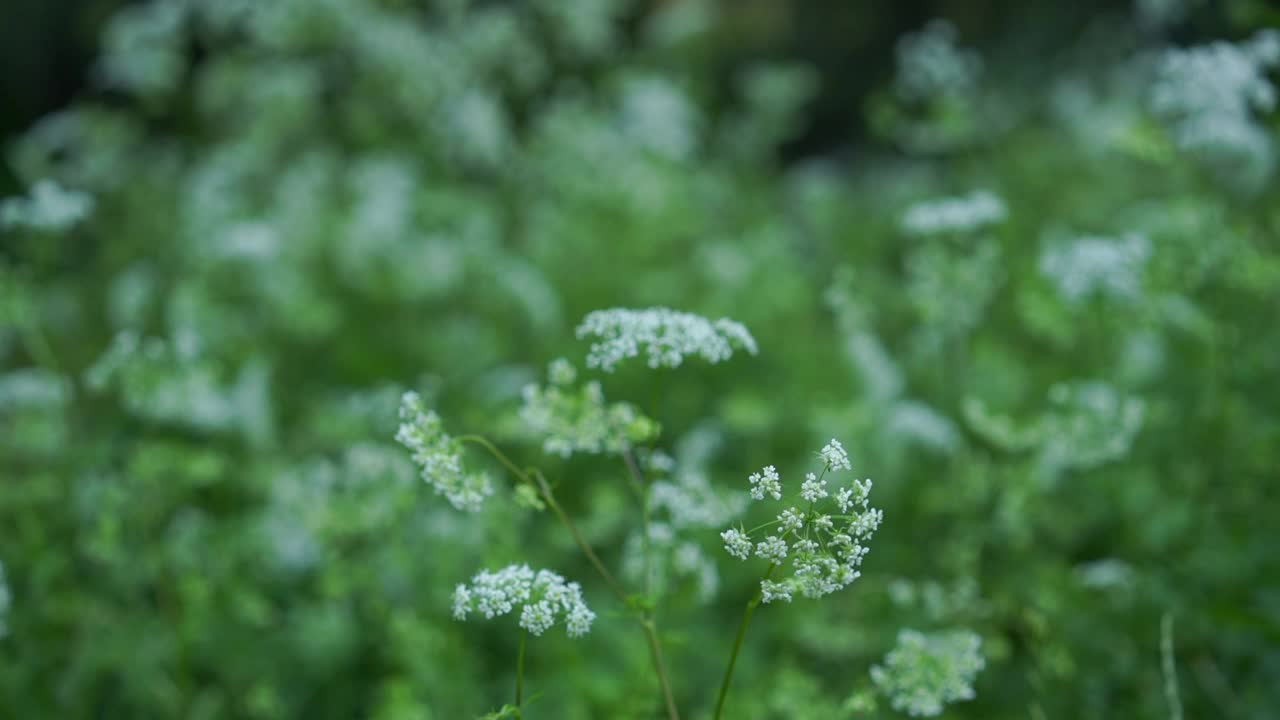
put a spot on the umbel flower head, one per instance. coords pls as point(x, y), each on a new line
point(544, 597)
point(925, 672)
point(667, 337)
point(821, 540)
point(573, 419)
point(440, 456)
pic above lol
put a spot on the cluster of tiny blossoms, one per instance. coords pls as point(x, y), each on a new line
point(954, 215)
point(440, 456)
point(825, 548)
point(573, 420)
point(666, 335)
point(1209, 92)
point(543, 597)
point(924, 673)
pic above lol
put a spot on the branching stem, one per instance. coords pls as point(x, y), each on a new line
point(737, 644)
point(535, 479)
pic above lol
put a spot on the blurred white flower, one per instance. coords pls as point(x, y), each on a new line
point(930, 63)
point(49, 208)
point(544, 597)
point(573, 420)
point(1091, 265)
point(1208, 96)
point(667, 337)
point(954, 215)
point(440, 456)
point(923, 673)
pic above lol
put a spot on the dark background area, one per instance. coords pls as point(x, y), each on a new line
point(47, 46)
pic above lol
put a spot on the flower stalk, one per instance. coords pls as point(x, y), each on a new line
point(534, 478)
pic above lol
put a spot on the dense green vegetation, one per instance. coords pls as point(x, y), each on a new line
point(1036, 303)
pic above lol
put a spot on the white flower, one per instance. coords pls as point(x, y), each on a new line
point(691, 501)
point(667, 337)
point(1101, 266)
point(954, 215)
point(440, 456)
point(578, 622)
point(824, 549)
point(461, 602)
point(578, 420)
point(50, 208)
point(813, 489)
point(791, 520)
point(772, 548)
point(930, 64)
point(770, 591)
point(544, 597)
point(1210, 97)
point(834, 456)
point(856, 494)
point(736, 543)
point(537, 617)
point(925, 672)
point(561, 372)
point(844, 498)
point(766, 482)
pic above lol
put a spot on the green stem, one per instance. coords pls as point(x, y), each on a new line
point(549, 498)
point(648, 619)
point(737, 645)
point(534, 478)
point(520, 676)
point(501, 457)
point(646, 541)
point(660, 666)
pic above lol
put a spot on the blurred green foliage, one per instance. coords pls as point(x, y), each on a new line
point(280, 215)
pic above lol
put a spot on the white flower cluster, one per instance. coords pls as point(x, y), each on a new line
point(440, 456)
point(50, 208)
point(951, 290)
point(825, 547)
point(834, 456)
point(666, 335)
point(930, 63)
point(1087, 266)
point(573, 420)
point(142, 50)
point(954, 215)
point(543, 598)
point(33, 387)
point(1091, 423)
point(765, 482)
point(925, 672)
point(691, 501)
point(1208, 95)
point(175, 381)
point(660, 116)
